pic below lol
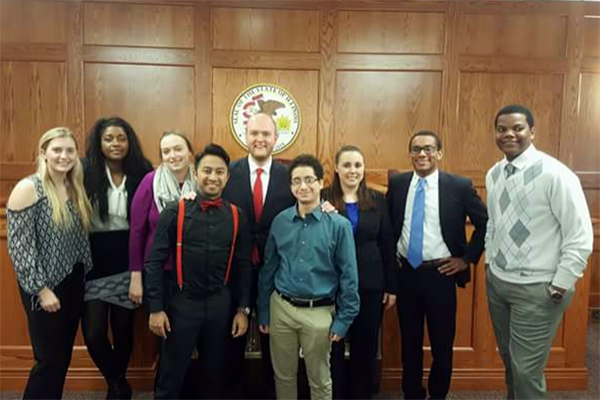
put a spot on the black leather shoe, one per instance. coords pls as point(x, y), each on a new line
point(124, 388)
point(113, 390)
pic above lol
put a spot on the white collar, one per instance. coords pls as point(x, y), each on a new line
point(431, 180)
point(110, 181)
point(254, 166)
point(524, 159)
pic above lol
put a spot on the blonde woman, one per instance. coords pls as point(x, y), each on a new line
point(48, 217)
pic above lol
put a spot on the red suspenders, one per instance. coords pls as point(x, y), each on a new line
point(179, 254)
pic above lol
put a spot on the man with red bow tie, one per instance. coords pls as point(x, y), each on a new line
point(210, 241)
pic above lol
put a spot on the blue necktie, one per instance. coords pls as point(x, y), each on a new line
point(415, 244)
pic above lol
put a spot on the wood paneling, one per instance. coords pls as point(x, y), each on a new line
point(34, 99)
point(369, 73)
point(588, 132)
point(152, 99)
point(269, 30)
point(32, 22)
point(138, 25)
point(471, 147)
point(534, 36)
point(379, 111)
point(591, 36)
point(391, 32)
point(229, 83)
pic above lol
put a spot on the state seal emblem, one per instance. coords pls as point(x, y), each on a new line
point(269, 99)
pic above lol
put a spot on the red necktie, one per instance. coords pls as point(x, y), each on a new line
point(206, 204)
point(257, 197)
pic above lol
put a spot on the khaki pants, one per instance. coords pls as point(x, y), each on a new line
point(525, 320)
point(290, 328)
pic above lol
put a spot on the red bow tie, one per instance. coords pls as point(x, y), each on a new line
point(206, 204)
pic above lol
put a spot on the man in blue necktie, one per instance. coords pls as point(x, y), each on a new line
point(429, 209)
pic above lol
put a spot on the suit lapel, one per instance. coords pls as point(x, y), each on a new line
point(443, 191)
point(246, 188)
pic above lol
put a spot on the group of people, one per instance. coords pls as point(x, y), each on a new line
point(203, 242)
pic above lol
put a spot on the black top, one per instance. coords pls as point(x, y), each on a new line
point(207, 239)
point(279, 197)
point(375, 248)
point(458, 200)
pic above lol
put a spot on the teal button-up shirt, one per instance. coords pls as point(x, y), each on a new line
point(311, 258)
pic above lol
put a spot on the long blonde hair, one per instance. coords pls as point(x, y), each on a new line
point(75, 188)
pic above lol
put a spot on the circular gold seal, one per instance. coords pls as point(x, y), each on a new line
point(269, 99)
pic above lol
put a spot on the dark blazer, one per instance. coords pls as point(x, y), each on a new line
point(458, 200)
point(279, 197)
point(375, 248)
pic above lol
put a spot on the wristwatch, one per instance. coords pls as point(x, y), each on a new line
point(555, 294)
point(244, 310)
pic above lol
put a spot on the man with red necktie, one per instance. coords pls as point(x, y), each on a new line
point(209, 298)
point(260, 186)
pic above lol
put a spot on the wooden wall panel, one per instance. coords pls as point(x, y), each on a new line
point(34, 99)
point(471, 147)
point(591, 37)
point(269, 30)
point(147, 25)
point(589, 125)
point(363, 72)
point(229, 83)
point(32, 21)
point(391, 32)
point(379, 111)
point(532, 36)
point(153, 99)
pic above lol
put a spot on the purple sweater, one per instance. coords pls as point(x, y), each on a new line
point(143, 222)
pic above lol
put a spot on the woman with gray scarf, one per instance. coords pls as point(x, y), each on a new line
point(173, 178)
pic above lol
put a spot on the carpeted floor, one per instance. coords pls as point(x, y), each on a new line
point(592, 362)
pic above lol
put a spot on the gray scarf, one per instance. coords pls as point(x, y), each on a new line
point(166, 187)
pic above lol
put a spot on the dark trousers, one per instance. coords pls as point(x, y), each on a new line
point(235, 390)
point(111, 359)
point(52, 336)
point(206, 324)
point(425, 294)
point(356, 381)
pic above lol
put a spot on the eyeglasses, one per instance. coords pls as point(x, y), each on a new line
point(309, 180)
point(429, 150)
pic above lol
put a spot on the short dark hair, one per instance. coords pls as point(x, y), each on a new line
point(515, 109)
point(307, 160)
point(438, 141)
point(212, 149)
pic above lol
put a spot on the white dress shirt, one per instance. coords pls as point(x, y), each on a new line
point(117, 208)
point(264, 178)
point(434, 246)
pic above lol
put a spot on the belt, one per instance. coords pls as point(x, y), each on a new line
point(305, 303)
point(425, 264)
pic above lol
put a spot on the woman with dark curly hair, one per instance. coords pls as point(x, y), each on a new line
point(113, 168)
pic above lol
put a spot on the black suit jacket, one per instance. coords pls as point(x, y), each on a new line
point(458, 200)
point(279, 197)
point(375, 249)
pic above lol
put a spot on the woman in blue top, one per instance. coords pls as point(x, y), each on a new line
point(367, 211)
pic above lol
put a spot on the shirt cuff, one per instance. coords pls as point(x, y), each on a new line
point(339, 328)
point(564, 280)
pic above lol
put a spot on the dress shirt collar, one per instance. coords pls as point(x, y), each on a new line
point(523, 160)
point(431, 180)
point(254, 166)
point(316, 212)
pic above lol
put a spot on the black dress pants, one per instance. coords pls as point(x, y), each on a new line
point(110, 358)
point(204, 323)
point(356, 381)
point(52, 336)
point(425, 294)
point(267, 387)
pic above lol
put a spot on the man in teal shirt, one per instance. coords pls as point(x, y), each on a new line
point(308, 286)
